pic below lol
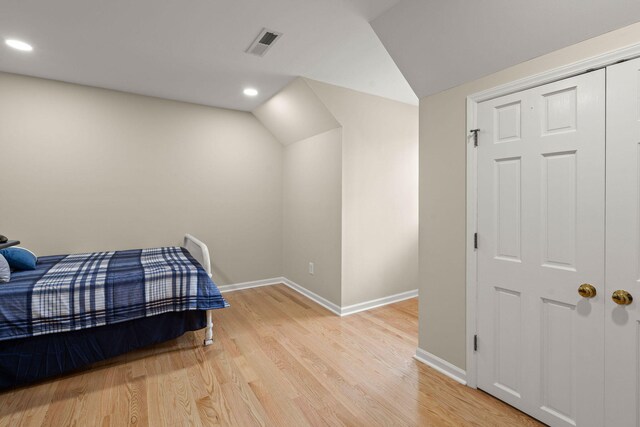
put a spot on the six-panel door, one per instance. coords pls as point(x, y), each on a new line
point(541, 224)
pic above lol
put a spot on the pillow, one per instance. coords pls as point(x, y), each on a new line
point(19, 258)
point(5, 270)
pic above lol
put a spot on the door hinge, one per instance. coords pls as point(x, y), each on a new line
point(475, 343)
point(475, 240)
point(475, 136)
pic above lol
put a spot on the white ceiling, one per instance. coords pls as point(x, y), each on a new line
point(440, 44)
point(194, 50)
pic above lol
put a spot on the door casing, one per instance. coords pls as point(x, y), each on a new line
point(473, 100)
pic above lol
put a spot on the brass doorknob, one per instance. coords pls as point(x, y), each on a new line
point(587, 290)
point(622, 297)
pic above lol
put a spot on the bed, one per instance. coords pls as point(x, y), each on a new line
point(75, 310)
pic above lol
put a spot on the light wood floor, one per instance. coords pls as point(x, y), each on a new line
point(278, 360)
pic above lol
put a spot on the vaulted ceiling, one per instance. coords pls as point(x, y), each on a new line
point(195, 50)
point(439, 44)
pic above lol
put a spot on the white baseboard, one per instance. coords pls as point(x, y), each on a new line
point(441, 366)
point(249, 285)
point(334, 308)
point(312, 296)
point(368, 305)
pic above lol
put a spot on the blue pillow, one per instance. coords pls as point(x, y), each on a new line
point(5, 270)
point(19, 258)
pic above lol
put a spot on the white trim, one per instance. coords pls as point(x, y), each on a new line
point(441, 366)
point(540, 79)
point(472, 260)
point(563, 72)
point(368, 305)
point(249, 285)
point(334, 308)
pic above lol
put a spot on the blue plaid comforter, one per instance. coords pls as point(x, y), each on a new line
point(71, 292)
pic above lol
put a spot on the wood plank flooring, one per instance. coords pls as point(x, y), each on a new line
point(278, 360)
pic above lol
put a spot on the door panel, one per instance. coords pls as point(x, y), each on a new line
point(558, 360)
point(507, 190)
point(559, 193)
point(622, 342)
point(541, 234)
point(508, 341)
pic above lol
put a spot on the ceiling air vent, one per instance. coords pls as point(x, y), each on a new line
point(263, 42)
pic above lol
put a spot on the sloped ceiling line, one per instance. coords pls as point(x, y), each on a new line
point(296, 113)
point(441, 44)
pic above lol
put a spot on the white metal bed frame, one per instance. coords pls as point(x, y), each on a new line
point(200, 252)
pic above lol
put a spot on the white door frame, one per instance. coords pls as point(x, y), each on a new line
point(473, 100)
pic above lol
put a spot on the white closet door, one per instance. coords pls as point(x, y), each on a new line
point(622, 322)
point(541, 222)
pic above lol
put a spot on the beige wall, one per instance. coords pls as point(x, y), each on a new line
point(312, 187)
point(442, 194)
point(379, 193)
point(312, 210)
point(378, 228)
point(86, 169)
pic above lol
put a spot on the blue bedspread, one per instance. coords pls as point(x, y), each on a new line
point(72, 292)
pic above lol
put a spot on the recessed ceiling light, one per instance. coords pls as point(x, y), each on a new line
point(250, 91)
point(20, 45)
